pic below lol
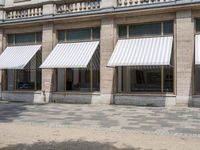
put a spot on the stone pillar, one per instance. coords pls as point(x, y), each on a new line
point(107, 43)
point(185, 56)
point(47, 74)
point(1, 50)
point(108, 3)
point(48, 9)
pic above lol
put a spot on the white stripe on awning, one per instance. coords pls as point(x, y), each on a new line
point(142, 52)
point(17, 57)
point(71, 55)
point(197, 50)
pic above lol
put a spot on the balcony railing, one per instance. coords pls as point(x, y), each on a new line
point(77, 7)
point(24, 13)
point(124, 3)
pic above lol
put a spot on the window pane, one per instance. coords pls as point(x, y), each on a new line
point(61, 36)
point(197, 79)
point(78, 80)
point(10, 39)
point(96, 33)
point(140, 79)
point(10, 80)
point(122, 31)
point(60, 80)
point(96, 70)
point(78, 35)
point(39, 37)
point(145, 29)
point(168, 79)
point(198, 25)
point(168, 27)
point(25, 38)
point(25, 79)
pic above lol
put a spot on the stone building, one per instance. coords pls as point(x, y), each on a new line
point(135, 52)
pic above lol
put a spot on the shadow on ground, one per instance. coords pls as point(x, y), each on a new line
point(11, 111)
point(69, 145)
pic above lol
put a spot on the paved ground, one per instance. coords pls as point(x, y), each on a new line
point(173, 121)
point(125, 121)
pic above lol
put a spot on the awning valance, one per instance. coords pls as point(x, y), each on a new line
point(142, 52)
point(17, 57)
point(71, 55)
point(197, 50)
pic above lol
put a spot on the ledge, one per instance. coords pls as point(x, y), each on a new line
point(23, 92)
point(103, 11)
point(146, 94)
point(77, 93)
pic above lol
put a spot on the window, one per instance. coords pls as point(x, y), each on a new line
point(28, 78)
point(146, 78)
point(145, 29)
point(150, 29)
point(197, 79)
point(27, 38)
point(198, 25)
point(83, 80)
point(168, 27)
point(123, 31)
point(86, 34)
point(197, 67)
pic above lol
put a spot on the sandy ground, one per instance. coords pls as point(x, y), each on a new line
point(16, 133)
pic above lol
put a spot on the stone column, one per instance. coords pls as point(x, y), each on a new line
point(107, 43)
point(1, 50)
point(185, 56)
point(47, 74)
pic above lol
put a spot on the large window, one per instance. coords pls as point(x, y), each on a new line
point(74, 35)
point(28, 78)
point(150, 29)
point(154, 79)
point(22, 39)
point(80, 79)
point(145, 79)
point(197, 67)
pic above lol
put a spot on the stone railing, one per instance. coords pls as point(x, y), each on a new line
point(24, 13)
point(78, 6)
point(124, 3)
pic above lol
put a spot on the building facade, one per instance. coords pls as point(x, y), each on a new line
point(135, 52)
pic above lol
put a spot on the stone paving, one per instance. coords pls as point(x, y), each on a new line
point(177, 121)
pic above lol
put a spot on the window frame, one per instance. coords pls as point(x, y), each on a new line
point(90, 64)
point(145, 36)
point(36, 42)
point(92, 29)
point(162, 67)
point(196, 32)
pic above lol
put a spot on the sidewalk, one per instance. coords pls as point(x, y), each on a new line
point(107, 127)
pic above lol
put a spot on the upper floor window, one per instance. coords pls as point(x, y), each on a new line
point(150, 29)
point(86, 34)
point(25, 38)
point(198, 25)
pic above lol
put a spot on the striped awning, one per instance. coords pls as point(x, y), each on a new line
point(17, 57)
point(142, 52)
point(197, 49)
point(71, 55)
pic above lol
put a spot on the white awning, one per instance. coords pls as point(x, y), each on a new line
point(142, 52)
point(197, 50)
point(71, 55)
point(17, 57)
